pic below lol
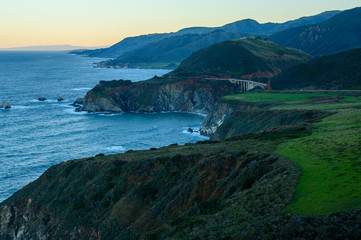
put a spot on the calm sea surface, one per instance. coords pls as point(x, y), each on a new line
point(35, 135)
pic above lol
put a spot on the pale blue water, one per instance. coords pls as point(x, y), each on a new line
point(35, 135)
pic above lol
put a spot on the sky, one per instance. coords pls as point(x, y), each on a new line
point(106, 22)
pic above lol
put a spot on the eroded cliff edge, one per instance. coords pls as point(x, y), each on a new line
point(158, 94)
point(177, 192)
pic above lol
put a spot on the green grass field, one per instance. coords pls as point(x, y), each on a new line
point(302, 101)
point(330, 161)
point(278, 97)
point(330, 158)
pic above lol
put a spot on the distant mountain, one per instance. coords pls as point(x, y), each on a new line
point(337, 71)
point(170, 51)
point(47, 48)
point(124, 46)
point(247, 27)
point(246, 59)
point(252, 26)
point(338, 33)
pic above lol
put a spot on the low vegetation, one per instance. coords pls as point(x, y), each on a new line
point(298, 179)
point(329, 157)
point(330, 160)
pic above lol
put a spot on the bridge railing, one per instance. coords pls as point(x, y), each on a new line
point(245, 84)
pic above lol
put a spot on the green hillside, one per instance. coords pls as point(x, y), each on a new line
point(247, 58)
point(329, 157)
point(337, 71)
point(299, 178)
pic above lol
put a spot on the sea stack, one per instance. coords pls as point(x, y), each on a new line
point(5, 105)
point(60, 98)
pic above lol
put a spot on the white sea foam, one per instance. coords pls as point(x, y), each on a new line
point(81, 89)
point(46, 101)
point(115, 149)
point(20, 107)
point(108, 114)
point(72, 111)
point(196, 133)
point(194, 113)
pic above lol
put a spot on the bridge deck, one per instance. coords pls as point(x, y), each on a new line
point(246, 84)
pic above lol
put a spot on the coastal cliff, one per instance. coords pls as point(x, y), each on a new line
point(235, 189)
point(169, 193)
point(187, 87)
point(223, 109)
point(158, 94)
point(230, 118)
point(245, 187)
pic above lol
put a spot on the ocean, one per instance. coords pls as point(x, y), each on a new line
point(35, 135)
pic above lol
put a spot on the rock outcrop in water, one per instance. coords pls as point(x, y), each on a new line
point(5, 105)
point(60, 98)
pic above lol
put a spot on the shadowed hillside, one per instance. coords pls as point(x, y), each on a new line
point(338, 33)
point(337, 71)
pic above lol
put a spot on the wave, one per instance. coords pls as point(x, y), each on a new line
point(72, 111)
point(108, 114)
point(193, 113)
point(196, 133)
point(81, 89)
point(20, 107)
point(46, 101)
point(115, 149)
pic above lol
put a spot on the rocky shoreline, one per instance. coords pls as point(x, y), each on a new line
point(196, 95)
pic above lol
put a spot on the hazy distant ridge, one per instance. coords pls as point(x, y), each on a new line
point(247, 27)
point(48, 48)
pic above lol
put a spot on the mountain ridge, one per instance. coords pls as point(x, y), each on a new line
point(133, 43)
point(340, 32)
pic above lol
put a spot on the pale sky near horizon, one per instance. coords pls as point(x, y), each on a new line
point(105, 22)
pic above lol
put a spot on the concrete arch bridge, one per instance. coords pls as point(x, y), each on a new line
point(246, 85)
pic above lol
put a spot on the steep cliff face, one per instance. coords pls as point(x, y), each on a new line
point(223, 109)
point(177, 192)
point(158, 94)
point(152, 194)
point(260, 120)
